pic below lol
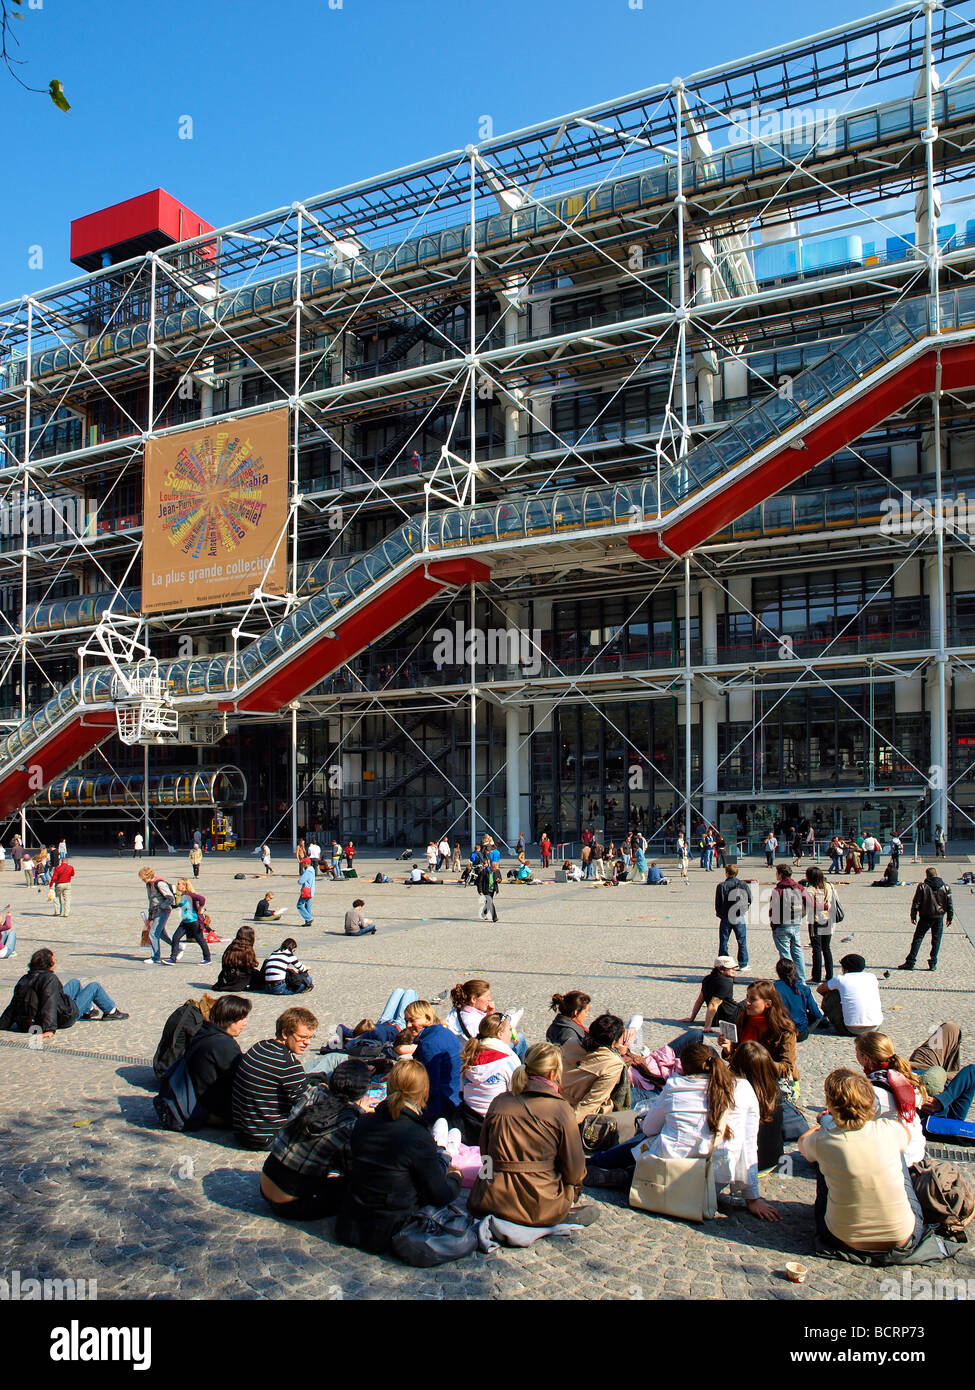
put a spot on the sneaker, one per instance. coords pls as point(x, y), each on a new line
point(440, 1133)
point(165, 960)
point(582, 1216)
point(151, 961)
point(454, 1142)
point(115, 1014)
point(932, 967)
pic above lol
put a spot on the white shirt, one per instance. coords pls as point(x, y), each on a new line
point(483, 1081)
point(860, 998)
point(138, 842)
point(472, 1018)
point(677, 1127)
point(444, 849)
point(887, 1110)
point(314, 851)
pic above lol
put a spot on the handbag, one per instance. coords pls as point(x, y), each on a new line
point(681, 1187)
point(794, 1122)
point(839, 915)
point(435, 1236)
point(50, 895)
point(305, 893)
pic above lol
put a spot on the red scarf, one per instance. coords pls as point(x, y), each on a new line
point(904, 1093)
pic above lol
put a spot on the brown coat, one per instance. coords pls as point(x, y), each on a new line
point(538, 1162)
point(589, 1079)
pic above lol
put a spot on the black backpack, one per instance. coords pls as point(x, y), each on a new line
point(26, 1004)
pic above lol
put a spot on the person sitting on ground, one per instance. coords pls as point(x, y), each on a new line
point(765, 1020)
point(572, 872)
point(950, 1087)
point(180, 1027)
point(655, 876)
point(416, 875)
point(283, 972)
point(240, 968)
point(851, 1000)
point(594, 1080)
point(8, 937)
point(356, 923)
point(265, 912)
point(270, 1078)
point(404, 1044)
point(798, 999)
point(304, 1175)
point(471, 1002)
point(438, 1051)
point(522, 874)
point(753, 1063)
point(394, 1165)
point(487, 1063)
point(717, 994)
point(537, 1163)
point(213, 1055)
point(571, 1014)
point(891, 879)
point(861, 1197)
point(704, 1106)
point(41, 1004)
point(371, 1031)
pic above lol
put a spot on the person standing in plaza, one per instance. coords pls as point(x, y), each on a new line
point(939, 843)
point(871, 848)
point(196, 859)
point(61, 883)
point(931, 908)
point(732, 900)
point(314, 853)
point(787, 909)
point(683, 857)
point(306, 891)
point(266, 859)
point(138, 844)
point(17, 852)
point(770, 844)
point(545, 850)
point(62, 850)
point(896, 847)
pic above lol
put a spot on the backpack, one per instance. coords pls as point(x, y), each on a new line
point(26, 1005)
point(947, 1198)
point(176, 1104)
point(931, 904)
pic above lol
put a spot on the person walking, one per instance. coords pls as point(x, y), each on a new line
point(836, 848)
point(162, 901)
point(62, 850)
point(939, 843)
point(61, 883)
point(871, 848)
point(787, 909)
point(487, 887)
point(931, 909)
point(266, 859)
point(190, 906)
point(732, 899)
point(683, 857)
point(306, 891)
point(196, 859)
point(896, 848)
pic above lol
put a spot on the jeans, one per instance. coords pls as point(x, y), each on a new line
point(195, 932)
point(957, 1096)
point(934, 925)
point(835, 867)
point(363, 931)
point(789, 947)
point(87, 995)
point(769, 856)
point(871, 859)
point(298, 984)
point(724, 934)
point(822, 954)
point(304, 910)
point(487, 906)
point(157, 930)
point(693, 1035)
point(10, 946)
point(394, 1009)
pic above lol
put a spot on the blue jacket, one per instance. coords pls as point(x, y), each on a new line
point(307, 876)
point(654, 875)
point(800, 1004)
point(439, 1050)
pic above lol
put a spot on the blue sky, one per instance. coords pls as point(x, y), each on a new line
point(293, 98)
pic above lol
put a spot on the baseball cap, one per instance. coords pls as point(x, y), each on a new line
point(724, 963)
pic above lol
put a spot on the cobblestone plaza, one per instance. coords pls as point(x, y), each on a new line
point(91, 1188)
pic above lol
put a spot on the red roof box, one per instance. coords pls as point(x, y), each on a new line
point(134, 227)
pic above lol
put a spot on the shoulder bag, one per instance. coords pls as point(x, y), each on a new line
point(681, 1187)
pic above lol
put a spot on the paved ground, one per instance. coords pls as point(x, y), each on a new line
point(90, 1188)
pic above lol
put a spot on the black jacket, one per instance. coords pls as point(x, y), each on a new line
point(181, 1025)
point(942, 900)
point(38, 999)
point(211, 1060)
point(732, 899)
point(394, 1169)
point(236, 980)
point(562, 1030)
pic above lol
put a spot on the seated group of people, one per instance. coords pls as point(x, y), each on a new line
point(281, 973)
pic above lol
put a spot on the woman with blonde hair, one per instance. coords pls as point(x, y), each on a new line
point(487, 1064)
point(532, 1150)
point(438, 1050)
point(898, 1091)
point(861, 1194)
point(394, 1165)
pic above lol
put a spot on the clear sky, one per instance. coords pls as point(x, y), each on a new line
point(289, 98)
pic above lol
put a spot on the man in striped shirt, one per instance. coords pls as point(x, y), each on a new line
point(270, 1079)
point(283, 972)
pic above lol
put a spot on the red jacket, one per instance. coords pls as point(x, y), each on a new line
point(64, 873)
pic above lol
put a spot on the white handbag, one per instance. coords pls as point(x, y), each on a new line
point(680, 1187)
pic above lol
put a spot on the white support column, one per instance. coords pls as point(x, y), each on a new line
point(710, 705)
point(23, 539)
point(472, 652)
point(294, 774)
point(512, 768)
point(936, 693)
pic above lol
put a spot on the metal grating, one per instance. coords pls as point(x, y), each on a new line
point(25, 1046)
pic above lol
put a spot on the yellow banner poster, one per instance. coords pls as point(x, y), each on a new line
point(216, 503)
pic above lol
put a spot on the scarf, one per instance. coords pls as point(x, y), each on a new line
point(903, 1092)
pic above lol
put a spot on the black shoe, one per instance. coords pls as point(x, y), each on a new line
point(932, 967)
point(115, 1014)
point(906, 966)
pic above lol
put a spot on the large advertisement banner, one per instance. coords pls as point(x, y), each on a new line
point(216, 502)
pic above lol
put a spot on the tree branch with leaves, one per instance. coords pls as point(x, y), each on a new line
point(11, 10)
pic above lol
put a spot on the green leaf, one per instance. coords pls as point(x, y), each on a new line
point(57, 95)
